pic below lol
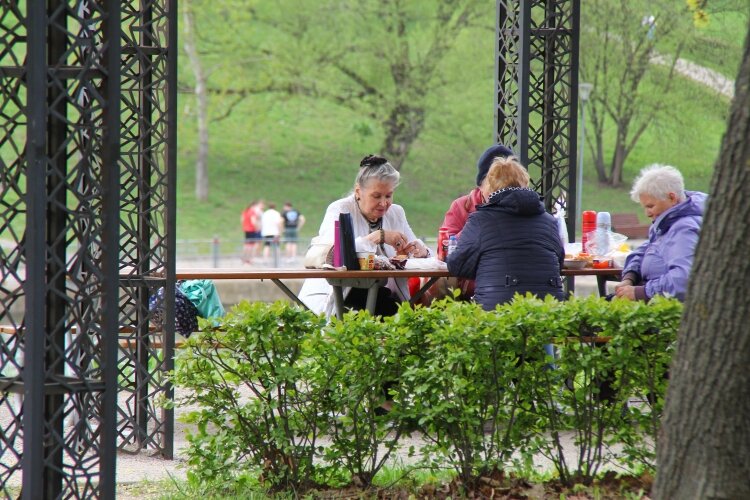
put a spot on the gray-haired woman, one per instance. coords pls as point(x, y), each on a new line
point(661, 265)
point(378, 220)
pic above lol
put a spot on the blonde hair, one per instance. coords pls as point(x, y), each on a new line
point(504, 173)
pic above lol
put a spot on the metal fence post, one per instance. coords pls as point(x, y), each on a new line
point(215, 251)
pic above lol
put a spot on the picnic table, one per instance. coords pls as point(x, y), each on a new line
point(369, 280)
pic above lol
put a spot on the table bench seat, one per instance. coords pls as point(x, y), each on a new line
point(128, 344)
point(629, 225)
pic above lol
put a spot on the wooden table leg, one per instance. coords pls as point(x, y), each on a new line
point(414, 298)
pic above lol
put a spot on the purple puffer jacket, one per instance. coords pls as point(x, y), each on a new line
point(661, 266)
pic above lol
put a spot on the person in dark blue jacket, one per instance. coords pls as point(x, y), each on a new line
point(510, 244)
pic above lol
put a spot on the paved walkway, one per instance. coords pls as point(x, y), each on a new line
point(700, 74)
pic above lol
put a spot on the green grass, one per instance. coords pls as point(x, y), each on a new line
point(307, 151)
point(716, 45)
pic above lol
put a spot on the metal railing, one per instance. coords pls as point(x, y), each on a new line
point(217, 252)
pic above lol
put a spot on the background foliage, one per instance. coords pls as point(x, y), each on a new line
point(279, 141)
point(290, 403)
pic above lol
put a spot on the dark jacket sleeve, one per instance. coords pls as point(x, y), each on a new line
point(463, 261)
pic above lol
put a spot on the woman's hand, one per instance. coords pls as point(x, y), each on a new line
point(416, 249)
point(625, 290)
point(395, 239)
point(623, 283)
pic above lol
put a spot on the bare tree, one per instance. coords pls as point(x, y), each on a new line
point(618, 43)
point(201, 97)
point(705, 437)
point(380, 58)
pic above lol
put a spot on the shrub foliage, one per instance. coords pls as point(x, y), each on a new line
point(292, 401)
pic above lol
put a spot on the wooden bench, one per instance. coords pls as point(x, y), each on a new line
point(129, 344)
point(629, 225)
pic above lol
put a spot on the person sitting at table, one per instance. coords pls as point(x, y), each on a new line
point(510, 244)
point(382, 223)
point(661, 265)
point(455, 219)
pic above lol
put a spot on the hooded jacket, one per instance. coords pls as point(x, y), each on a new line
point(661, 265)
point(510, 245)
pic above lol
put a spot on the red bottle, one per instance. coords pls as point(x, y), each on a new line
point(442, 243)
point(588, 224)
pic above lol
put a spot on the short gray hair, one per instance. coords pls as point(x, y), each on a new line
point(383, 172)
point(658, 181)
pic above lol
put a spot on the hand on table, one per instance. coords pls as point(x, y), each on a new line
point(415, 249)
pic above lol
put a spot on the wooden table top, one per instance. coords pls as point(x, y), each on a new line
point(287, 273)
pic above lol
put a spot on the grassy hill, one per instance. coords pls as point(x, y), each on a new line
point(307, 151)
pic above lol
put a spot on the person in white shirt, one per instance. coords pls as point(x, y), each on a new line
point(271, 224)
point(378, 220)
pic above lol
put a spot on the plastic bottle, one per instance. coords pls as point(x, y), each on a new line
point(452, 244)
point(603, 229)
point(588, 224)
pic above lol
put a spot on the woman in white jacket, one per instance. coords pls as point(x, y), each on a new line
point(377, 222)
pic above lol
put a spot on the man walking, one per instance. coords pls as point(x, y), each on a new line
point(293, 222)
point(270, 229)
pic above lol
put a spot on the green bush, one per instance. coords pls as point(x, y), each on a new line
point(350, 370)
point(459, 388)
point(247, 375)
point(477, 385)
point(618, 427)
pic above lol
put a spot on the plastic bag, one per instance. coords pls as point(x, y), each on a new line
point(611, 244)
point(562, 227)
point(318, 255)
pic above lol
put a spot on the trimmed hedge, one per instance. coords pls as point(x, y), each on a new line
point(291, 401)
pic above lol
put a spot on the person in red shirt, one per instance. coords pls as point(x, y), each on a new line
point(455, 219)
point(250, 219)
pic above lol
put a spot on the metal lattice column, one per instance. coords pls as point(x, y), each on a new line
point(59, 95)
point(147, 210)
point(536, 95)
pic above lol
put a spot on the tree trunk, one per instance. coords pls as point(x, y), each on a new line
point(402, 128)
point(597, 151)
point(705, 437)
point(620, 154)
point(201, 97)
point(618, 160)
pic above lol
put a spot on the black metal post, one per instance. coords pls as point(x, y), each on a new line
point(33, 376)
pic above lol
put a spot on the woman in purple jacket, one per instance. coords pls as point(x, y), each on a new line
point(661, 266)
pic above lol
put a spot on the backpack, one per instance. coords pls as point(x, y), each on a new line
point(291, 218)
point(185, 312)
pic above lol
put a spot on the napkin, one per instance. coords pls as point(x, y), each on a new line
point(430, 264)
